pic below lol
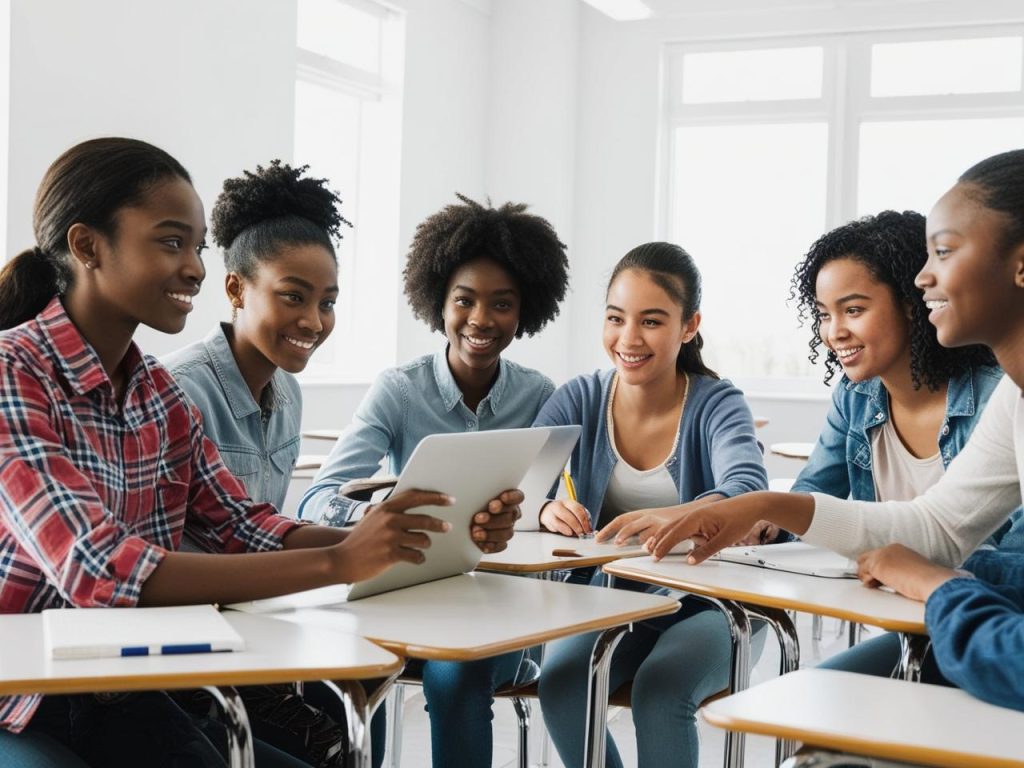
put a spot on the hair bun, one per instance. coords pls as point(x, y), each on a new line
point(276, 191)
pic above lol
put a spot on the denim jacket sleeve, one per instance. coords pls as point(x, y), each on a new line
point(977, 629)
point(376, 425)
point(827, 469)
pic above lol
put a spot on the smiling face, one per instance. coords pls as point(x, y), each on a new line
point(862, 321)
point(287, 306)
point(481, 316)
point(644, 328)
point(150, 270)
point(970, 278)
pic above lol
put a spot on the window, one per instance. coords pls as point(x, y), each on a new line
point(770, 143)
point(348, 129)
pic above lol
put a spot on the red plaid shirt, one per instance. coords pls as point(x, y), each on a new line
point(92, 494)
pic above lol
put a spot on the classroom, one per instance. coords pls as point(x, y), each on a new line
point(689, 275)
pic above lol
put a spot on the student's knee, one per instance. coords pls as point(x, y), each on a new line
point(565, 670)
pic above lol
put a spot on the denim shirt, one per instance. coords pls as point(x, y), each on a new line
point(403, 406)
point(716, 450)
point(840, 464)
point(259, 446)
point(977, 628)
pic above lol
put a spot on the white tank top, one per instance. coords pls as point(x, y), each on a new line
point(898, 474)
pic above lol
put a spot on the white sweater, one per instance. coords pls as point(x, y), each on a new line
point(981, 487)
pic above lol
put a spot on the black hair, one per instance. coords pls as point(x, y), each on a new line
point(523, 244)
point(892, 247)
point(88, 184)
point(675, 272)
point(258, 212)
point(997, 182)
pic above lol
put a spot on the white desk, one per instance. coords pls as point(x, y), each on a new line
point(276, 652)
point(876, 717)
point(531, 552)
point(477, 615)
point(322, 434)
point(800, 451)
point(769, 594)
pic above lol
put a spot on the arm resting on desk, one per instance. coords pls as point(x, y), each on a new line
point(977, 631)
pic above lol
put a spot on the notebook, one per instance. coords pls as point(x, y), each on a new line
point(794, 557)
point(91, 633)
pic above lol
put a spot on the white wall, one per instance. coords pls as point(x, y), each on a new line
point(213, 87)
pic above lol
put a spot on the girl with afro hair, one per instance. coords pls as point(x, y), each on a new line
point(482, 276)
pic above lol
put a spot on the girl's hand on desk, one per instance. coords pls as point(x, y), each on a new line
point(566, 517)
point(387, 534)
point(903, 570)
point(493, 527)
point(643, 523)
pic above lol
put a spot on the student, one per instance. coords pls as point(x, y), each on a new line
point(973, 285)
point(660, 428)
point(483, 277)
point(276, 228)
point(103, 462)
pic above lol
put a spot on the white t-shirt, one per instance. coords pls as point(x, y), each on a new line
point(981, 487)
point(898, 474)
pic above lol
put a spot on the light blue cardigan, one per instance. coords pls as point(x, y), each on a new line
point(716, 451)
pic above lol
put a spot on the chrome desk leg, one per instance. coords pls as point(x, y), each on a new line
point(597, 724)
point(358, 710)
point(739, 676)
point(522, 708)
point(236, 722)
point(396, 715)
point(912, 652)
point(789, 660)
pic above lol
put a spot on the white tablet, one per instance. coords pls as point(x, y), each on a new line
point(792, 556)
point(473, 467)
point(545, 471)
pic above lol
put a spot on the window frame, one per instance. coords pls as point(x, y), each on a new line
point(845, 104)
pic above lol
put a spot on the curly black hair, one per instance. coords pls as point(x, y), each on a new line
point(256, 213)
point(893, 247)
point(524, 244)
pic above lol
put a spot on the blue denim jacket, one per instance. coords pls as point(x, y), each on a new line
point(258, 446)
point(840, 464)
point(977, 628)
point(403, 406)
point(716, 451)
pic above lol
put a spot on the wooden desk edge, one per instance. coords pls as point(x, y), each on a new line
point(838, 742)
point(755, 598)
point(559, 564)
point(434, 653)
point(196, 679)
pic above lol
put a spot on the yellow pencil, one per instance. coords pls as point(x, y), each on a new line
point(570, 487)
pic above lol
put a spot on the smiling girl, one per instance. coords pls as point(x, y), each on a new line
point(104, 466)
point(973, 285)
point(483, 277)
point(277, 229)
point(659, 429)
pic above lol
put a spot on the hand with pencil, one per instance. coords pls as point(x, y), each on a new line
point(566, 516)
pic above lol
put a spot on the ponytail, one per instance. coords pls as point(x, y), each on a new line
point(27, 283)
point(675, 272)
point(689, 359)
point(88, 184)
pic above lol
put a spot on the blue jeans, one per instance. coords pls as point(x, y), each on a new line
point(880, 657)
point(459, 696)
point(675, 662)
point(128, 730)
